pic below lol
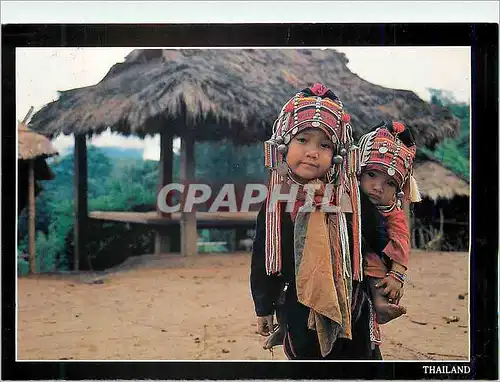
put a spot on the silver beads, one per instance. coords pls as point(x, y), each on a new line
point(338, 159)
point(282, 169)
point(282, 148)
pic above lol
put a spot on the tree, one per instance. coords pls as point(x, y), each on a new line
point(453, 153)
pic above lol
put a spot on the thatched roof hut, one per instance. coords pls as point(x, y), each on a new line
point(32, 145)
point(212, 94)
point(441, 221)
point(32, 150)
point(437, 182)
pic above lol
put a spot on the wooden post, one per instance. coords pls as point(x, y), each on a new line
point(189, 235)
point(31, 222)
point(162, 237)
point(81, 206)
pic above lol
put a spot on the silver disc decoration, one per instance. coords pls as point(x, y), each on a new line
point(338, 159)
point(282, 149)
point(315, 124)
point(391, 171)
point(382, 150)
point(282, 169)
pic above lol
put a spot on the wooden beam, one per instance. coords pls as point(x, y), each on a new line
point(81, 205)
point(189, 235)
point(31, 219)
point(162, 237)
point(28, 115)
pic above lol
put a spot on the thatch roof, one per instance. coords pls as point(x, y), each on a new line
point(36, 147)
point(437, 182)
point(229, 93)
point(32, 145)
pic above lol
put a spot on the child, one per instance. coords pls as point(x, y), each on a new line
point(306, 263)
point(387, 154)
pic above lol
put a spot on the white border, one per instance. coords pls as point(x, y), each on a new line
point(196, 12)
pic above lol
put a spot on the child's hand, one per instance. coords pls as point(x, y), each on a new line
point(265, 325)
point(393, 288)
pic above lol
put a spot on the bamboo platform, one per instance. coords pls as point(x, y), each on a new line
point(203, 219)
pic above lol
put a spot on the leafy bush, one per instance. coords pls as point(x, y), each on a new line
point(453, 153)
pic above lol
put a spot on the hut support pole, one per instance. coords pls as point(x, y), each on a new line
point(189, 235)
point(31, 221)
point(81, 206)
point(163, 237)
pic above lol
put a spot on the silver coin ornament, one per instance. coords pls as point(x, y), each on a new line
point(282, 168)
point(400, 195)
point(338, 159)
point(279, 140)
point(315, 124)
point(391, 171)
point(282, 149)
point(286, 139)
point(343, 152)
point(382, 150)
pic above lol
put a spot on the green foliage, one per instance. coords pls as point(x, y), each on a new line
point(222, 161)
point(112, 185)
point(453, 153)
point(46, 253)
point(23, 267)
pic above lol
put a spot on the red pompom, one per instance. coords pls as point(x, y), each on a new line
point(398, 127)
point(319, 89)
point(346, 118)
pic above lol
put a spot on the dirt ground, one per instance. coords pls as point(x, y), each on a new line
point(173, 308)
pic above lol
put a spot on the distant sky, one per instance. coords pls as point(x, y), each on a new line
point(41, 72)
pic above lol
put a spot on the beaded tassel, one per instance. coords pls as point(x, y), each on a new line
point(270, 154)
point(273, 221)
point(344, 239)
point(356, 231)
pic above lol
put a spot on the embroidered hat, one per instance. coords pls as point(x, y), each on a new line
point(314, 107)
point(390, 147)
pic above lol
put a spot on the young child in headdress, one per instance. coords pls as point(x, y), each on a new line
point(387, 154)
point(306, 263)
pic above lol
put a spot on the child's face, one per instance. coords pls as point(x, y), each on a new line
point(310, 154)
point(379, 186)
